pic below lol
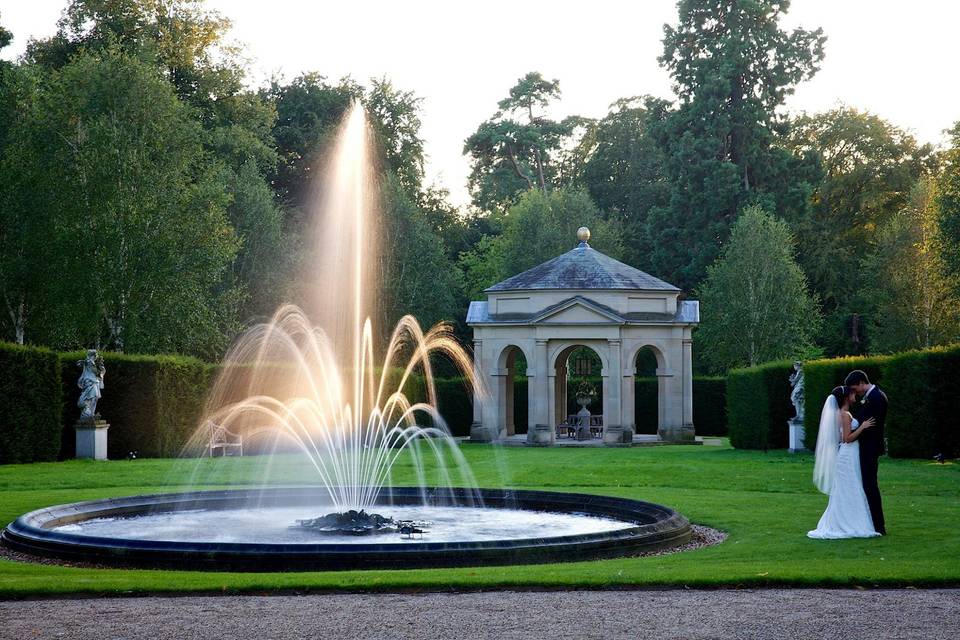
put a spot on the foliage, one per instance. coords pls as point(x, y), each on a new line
point(539, 227)
point(732, 66)
point(518, 148)
point(709, 405)
point(755, 302)
point(308, 111)
point(27, 265)
point(916, 305)
point(153, 403)
point(30, 411)
point(417, 278)
point(948, 201)
point(922, 390)
point(759, 407)
point(620, 165)
point(263, 258)
point(869, 167)
point(136, 211)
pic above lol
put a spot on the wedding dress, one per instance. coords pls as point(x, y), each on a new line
point(847, 514)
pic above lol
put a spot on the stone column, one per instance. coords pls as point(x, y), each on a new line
point(613, 409)
point(482, 429)
point(542, 432)
point(687, 432)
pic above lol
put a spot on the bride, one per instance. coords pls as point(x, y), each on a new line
point(837, 470)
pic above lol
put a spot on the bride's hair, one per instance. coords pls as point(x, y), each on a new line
point(840, 393)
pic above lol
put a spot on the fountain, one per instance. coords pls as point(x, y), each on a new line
point(319, 388)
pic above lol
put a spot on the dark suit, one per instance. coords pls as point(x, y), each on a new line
point(874, 405)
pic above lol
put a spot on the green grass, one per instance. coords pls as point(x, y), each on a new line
point(765, 501)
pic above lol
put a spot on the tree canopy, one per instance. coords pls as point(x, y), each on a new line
point(153, 198)
point(755, 302)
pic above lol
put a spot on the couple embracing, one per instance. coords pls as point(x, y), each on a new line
point(849, 445)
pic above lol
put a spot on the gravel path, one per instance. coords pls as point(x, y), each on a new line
point(784, 614)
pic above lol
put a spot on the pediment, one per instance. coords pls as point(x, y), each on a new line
point(578, 311)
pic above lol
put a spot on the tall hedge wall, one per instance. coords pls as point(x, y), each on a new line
point(30, 410)
point(709, 405)
point(152, 403)
point(758, 406)
point(922, 389)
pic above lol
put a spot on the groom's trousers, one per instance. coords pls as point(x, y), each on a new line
point(868, 473)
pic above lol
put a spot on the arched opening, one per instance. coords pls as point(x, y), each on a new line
point(578, 391)
point(647, 391)
point(514, 390)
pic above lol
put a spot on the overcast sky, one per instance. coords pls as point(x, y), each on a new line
point(897, 59)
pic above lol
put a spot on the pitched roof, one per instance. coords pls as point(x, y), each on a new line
point(583, 268)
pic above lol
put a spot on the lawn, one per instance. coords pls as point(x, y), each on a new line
point(765, 501)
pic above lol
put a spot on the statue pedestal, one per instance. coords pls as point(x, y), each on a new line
point(796, 435)
point(91, 439)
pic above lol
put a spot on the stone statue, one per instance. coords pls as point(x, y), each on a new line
point(796, 395)
point(90, 383)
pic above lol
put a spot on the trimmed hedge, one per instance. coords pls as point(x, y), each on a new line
point(30, 411)
point(923, 391)
point(758, 406)
point(153, 403)
point(709, 405)
point(821, 376)
point(645, 405)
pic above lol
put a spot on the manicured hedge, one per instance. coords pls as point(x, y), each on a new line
point(821, 376)
point(710, 405)
point(758, 406)
point(645, 405)
point(152, 403)
point(922, 389)
point(30, 409)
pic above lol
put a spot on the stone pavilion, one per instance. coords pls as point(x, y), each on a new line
point(582, 298)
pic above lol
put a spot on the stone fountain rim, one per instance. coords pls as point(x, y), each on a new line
point(655, 527)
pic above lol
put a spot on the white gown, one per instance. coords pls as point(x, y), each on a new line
point(847, 514)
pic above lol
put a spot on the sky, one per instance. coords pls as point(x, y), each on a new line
point(893, 58)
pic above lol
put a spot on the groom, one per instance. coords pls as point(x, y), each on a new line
point(873, 404)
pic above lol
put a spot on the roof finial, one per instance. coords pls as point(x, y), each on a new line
point(583, 235)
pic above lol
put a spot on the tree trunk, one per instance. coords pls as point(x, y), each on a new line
point(519, 172)
point(19, 324)
point(543, 181)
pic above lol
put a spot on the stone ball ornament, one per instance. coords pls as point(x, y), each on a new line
point(583, 234)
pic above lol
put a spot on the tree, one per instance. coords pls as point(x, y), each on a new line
point(539, 227)
point(417, 276)
point(5, 37)
point(755, 302)
point(621, 167)
point(869, 168)
point(186, 43)
point(308, 112)
point(917, 305)
point(135, 211)
point(27, 264)
point(515, 150)
point(264, 258)
point(948, 202)
point(732, 66)
point(395, 118)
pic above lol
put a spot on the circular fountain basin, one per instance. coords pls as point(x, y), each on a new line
point(254, 530)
